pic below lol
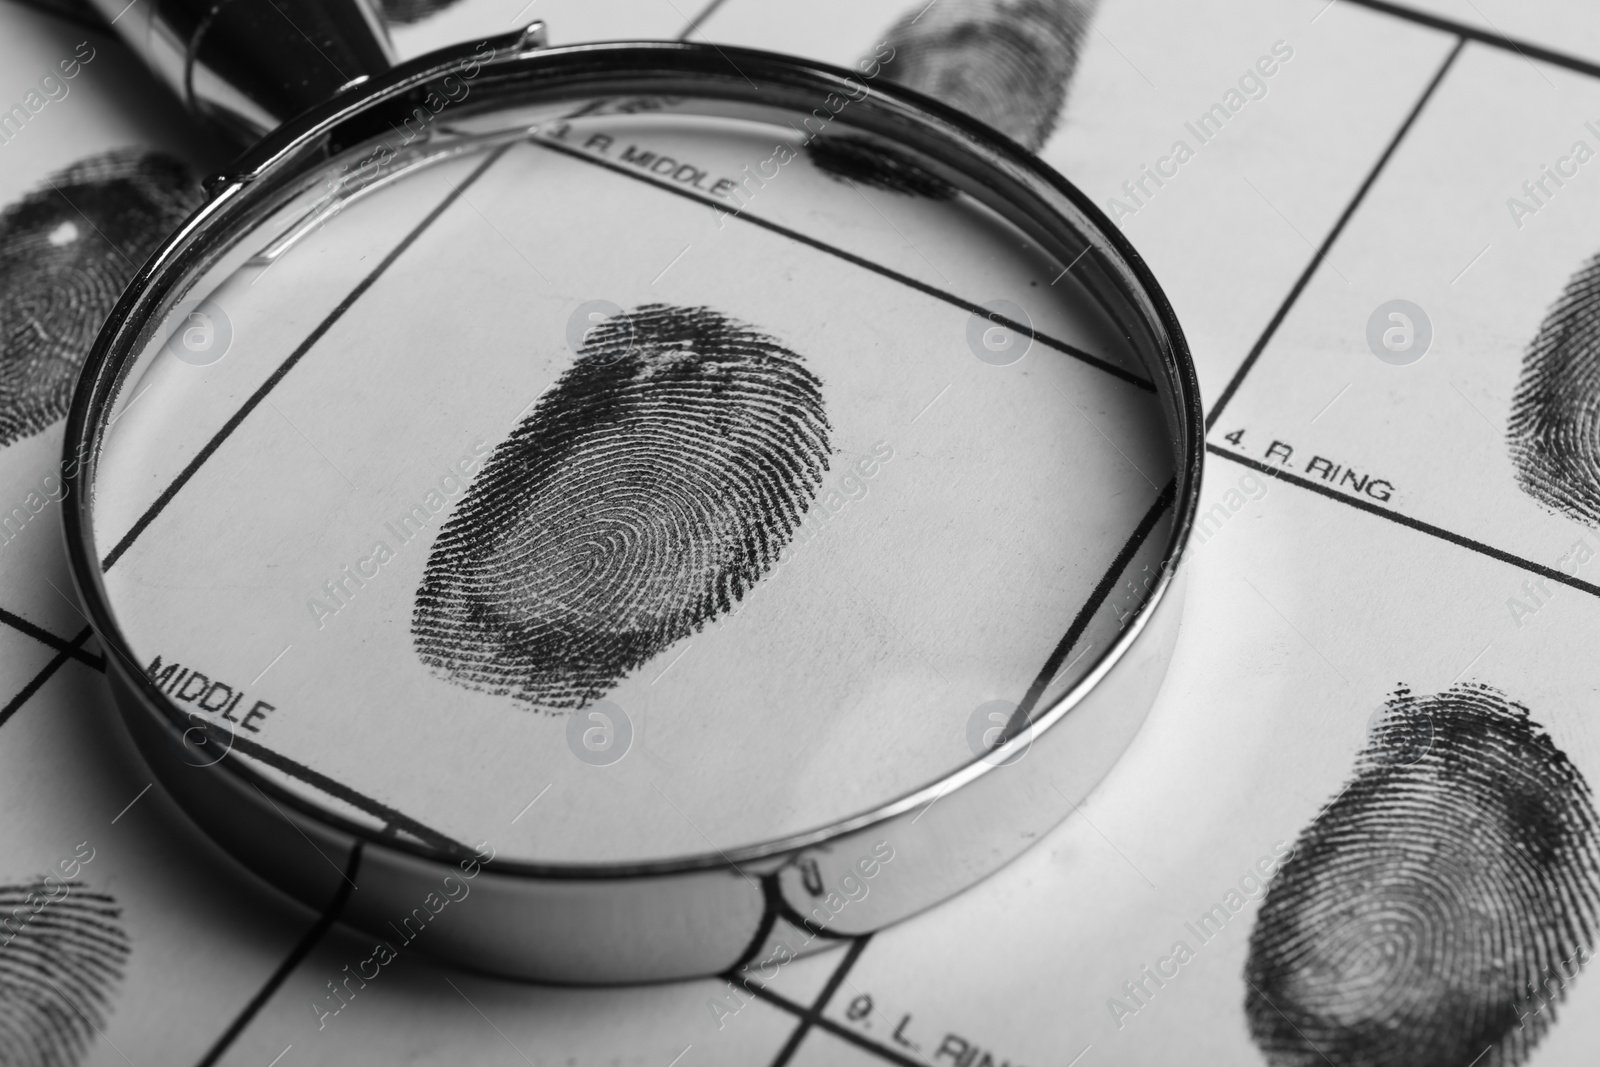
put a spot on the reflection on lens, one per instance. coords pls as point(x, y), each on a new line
point(722, 482)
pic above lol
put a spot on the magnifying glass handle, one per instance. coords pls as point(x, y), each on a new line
point(247, 65)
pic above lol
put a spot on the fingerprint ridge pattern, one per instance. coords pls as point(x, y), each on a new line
point(1554, 429)
point(60, 964)
point(1435, 911)
point(644, 495)
point(67, 251)
point(1005, 62)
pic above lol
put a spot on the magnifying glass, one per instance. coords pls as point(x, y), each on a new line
point(608, 511)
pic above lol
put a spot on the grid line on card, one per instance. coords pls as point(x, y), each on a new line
point(810, 1016)
point(1321, 253)
point(301, 950)
point(1460, 541)
point(1488, 37)
point(43, 676)
point(45, 637)
point(700, 19)
point(1052, 666)
point(775, 907)
point(289, 363)
point(392, 819)
point(827, 1025)
point(859, 261)
point(771, 894)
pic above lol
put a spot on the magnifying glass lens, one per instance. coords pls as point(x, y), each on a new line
point(626, 481)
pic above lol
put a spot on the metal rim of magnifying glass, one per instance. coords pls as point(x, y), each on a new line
point(712, 912)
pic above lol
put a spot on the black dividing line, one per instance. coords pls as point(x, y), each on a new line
point(851, 258)
point(696, 22)
point(318, 930)
point(1024, 713)
point(813, 1014)
point(1333, 235)
point(774, 908)
point(40, 634)
point(288, 364)
point(392, 818)
point(316, 780)
point(771, 901)
point(43, 676)
point(1496, 40)
point(824, 1023)
point(1407, 521)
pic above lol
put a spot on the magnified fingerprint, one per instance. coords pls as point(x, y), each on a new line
point(66, 252)
point(876, 164)
point(1554, 431)
point(62, 953)
point(648, 490)
point(408, 11)
point(1437, 909)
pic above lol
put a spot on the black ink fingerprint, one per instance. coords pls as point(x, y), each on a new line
point(66, 251)
point(876, 164)
point(1005, 62)
point(1434, 912)
point(1554, 430)
point(644, 495)
point(62, 953)
point(409, 11)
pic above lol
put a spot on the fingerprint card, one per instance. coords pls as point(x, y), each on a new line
point(1326, 837)
point(127, 935)
point(1358, 826)
point(1226, 222)
point(1454, 383)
